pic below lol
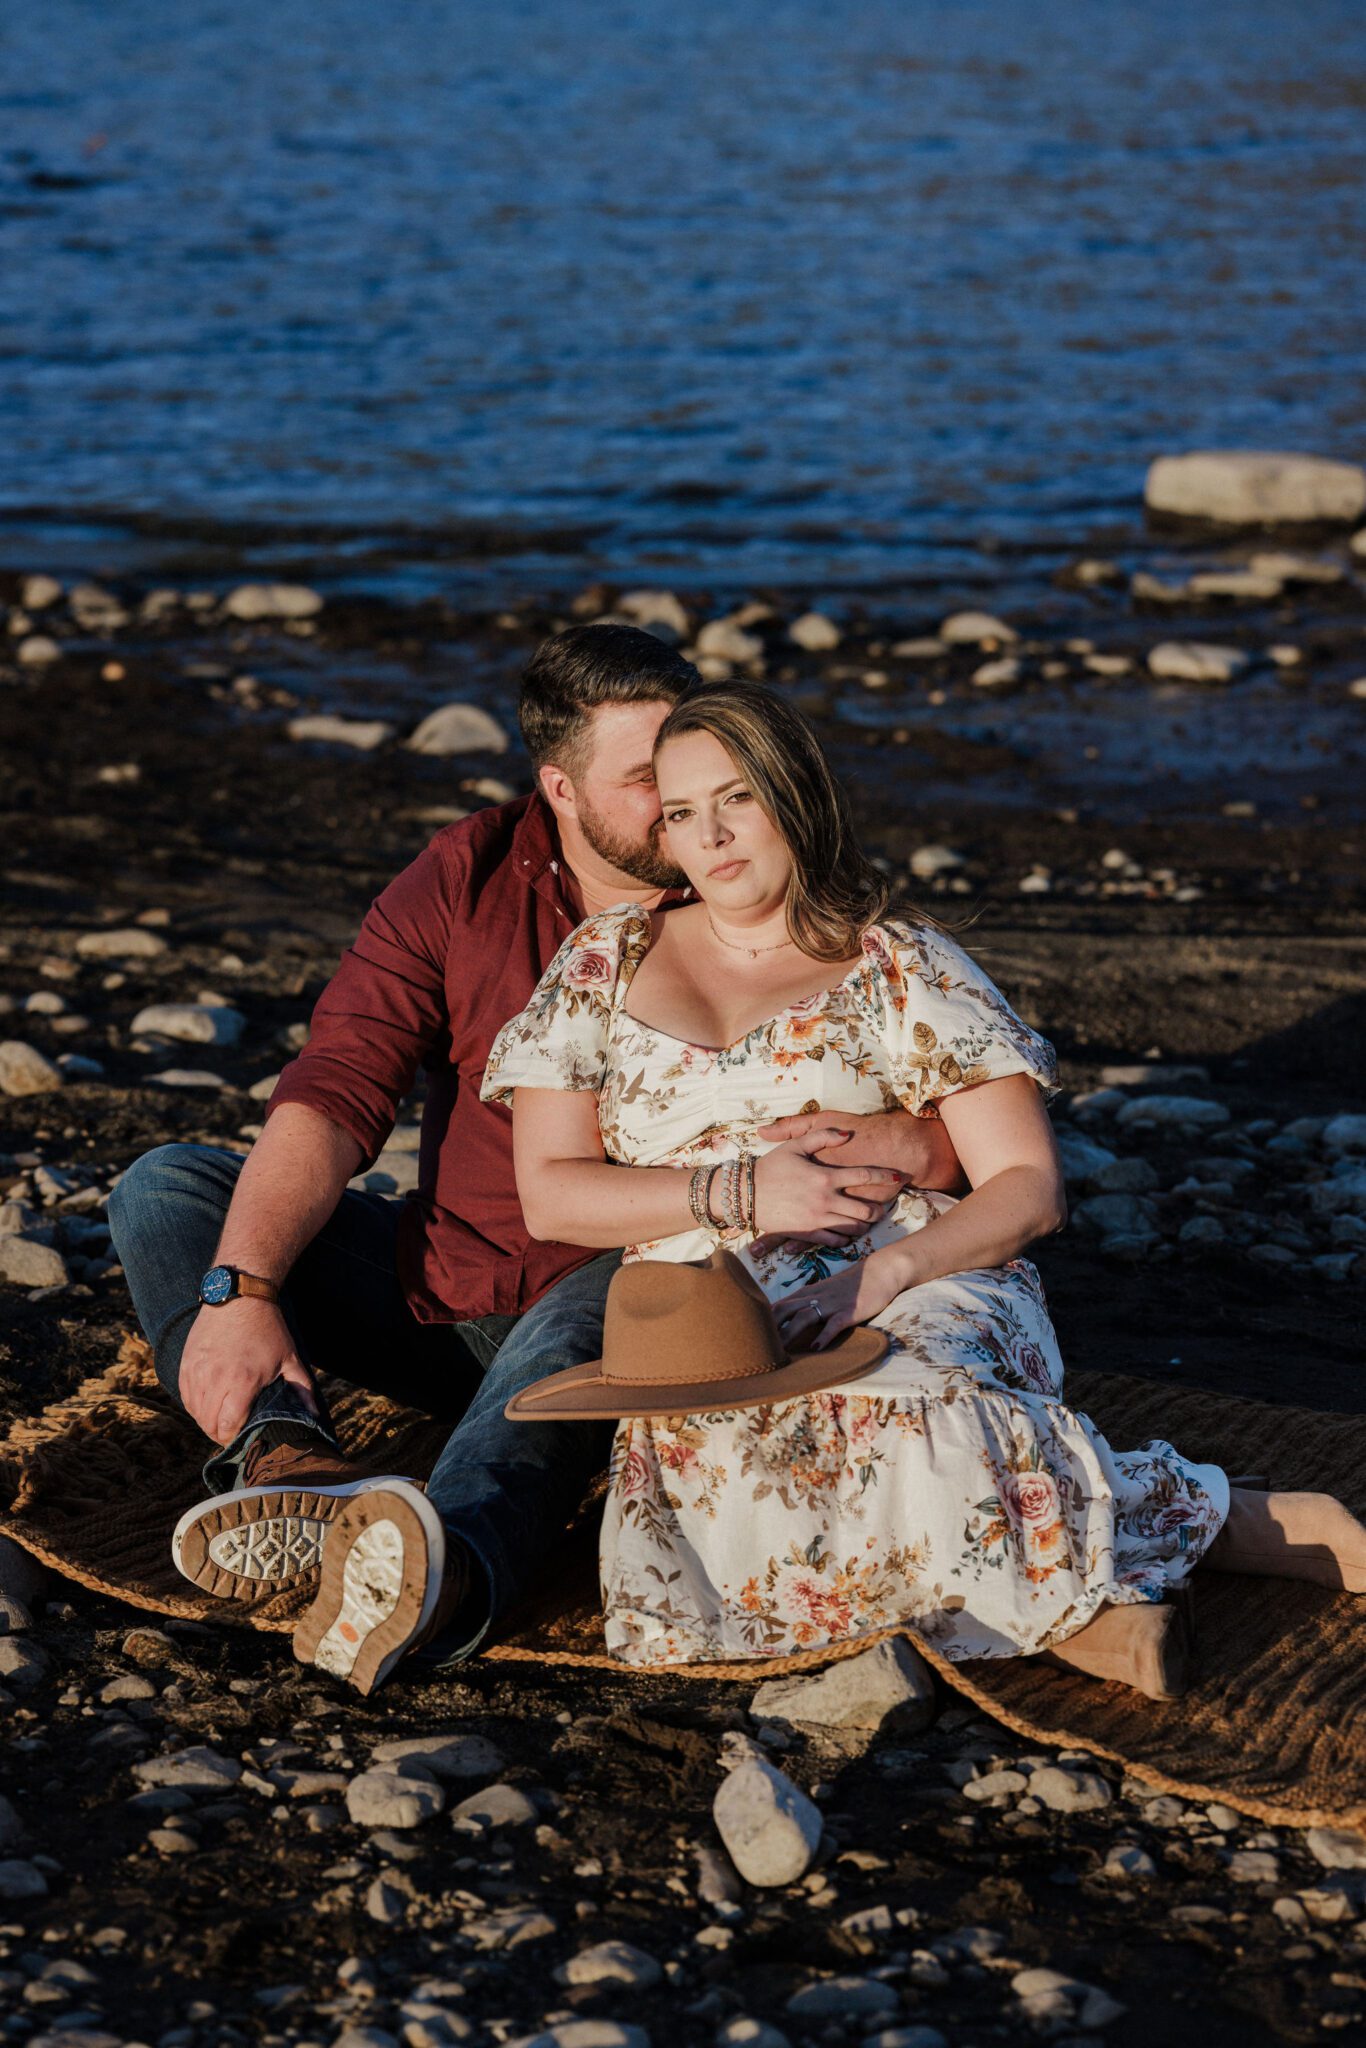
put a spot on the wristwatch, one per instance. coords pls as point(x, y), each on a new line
point(225, 1283)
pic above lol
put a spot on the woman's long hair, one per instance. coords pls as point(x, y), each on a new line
point(835, 892)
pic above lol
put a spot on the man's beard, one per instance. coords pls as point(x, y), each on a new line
point(644, 860)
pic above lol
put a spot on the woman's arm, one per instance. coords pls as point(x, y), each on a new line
point(571, 1194)
point(1001, 1133)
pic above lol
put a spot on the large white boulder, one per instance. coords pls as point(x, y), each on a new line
point(459, 729)
point(889, 1682)
point(769, 1826)
point(1254, 488)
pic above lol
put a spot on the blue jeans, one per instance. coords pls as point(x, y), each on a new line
point(504, 1489)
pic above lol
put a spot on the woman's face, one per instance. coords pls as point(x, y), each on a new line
point(715, 830)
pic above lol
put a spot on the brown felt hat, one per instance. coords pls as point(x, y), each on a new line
point(689, 1339)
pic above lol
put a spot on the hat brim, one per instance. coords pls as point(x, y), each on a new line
point(582, 1394)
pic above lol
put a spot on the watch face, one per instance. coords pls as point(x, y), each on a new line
point(216, 1286)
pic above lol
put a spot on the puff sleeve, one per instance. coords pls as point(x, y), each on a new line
point(560, 1039)
point(944, 1023)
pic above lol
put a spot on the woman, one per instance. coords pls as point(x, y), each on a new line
point(951, 1487)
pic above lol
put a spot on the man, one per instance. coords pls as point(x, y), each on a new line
point(249, 1276)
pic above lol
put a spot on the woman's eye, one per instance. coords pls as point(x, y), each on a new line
point(738, 796)
point(673, 817)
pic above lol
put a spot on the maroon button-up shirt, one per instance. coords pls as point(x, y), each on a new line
point(447, 954)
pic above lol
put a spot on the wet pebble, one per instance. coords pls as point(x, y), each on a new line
point(20, 1880)
point(390, 1799)
point(26, 1071)
point(852, 1998)
point(254, 601)
point(611, 1962)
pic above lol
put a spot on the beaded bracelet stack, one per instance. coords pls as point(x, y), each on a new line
point(723, 1196)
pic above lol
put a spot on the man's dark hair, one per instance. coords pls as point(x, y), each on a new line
point(570, 675)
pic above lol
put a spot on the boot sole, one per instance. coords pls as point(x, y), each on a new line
point(259, 1538)
point(381, 1578)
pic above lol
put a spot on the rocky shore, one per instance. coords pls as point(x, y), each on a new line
point(1142, 801)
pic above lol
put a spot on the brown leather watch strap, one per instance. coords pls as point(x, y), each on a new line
point(252, 1284)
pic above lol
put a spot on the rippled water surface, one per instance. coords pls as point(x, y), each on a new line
point(707, 290)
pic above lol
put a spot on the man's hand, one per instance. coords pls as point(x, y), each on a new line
point(914, 1151)
point(231, 1353)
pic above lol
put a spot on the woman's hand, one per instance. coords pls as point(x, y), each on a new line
point(795, 1195)
point(813, 1317)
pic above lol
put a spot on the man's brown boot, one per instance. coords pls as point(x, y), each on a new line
point(1146, 1646)
point(391, 1580)
point(270, 1531)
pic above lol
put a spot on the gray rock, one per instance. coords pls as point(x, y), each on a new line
point(1247, 488)
point(1128, 1859)
point(717, 1881)
point(191, 1023)
point(1067, 1791)
point(129, 1686)
point(928, 861)
point(1200, 1230)
point(610, 1962)
point(497, 1806)
point(134, 943)
point(1247, 586)
point(189, 1077)
point(450, 1757)
point(650, 608)
point(770, 1828)
point(1048, 1995)
point(251, 601)
point(996, 1785)
point(585, 2034)
point(1345, 1135)
point(814, 633)
point(511, 1927)
point(197, 1769)
point(744, 2032)
point(1337, 1848)
point(1254, 1866)
point(1181, 1113)
point(364, 734)
point(459, 729)
point(23, 1666)
point(906, 2037)
point(1082, 1158)
point(25, 1263)
point(1131, 1176)
point(724, 640)
point(1126, 1215)
point(976, 629)
point(844, 1998)
point(37, 650)
point(996, 675)
point(23, 1582)
point(24, 1070)
point(39, 593)
point(11, 1826)
point(393, 1799)
point(1195, 661)
point(21, 1881)
point(388, 1898)
point(889, 1685)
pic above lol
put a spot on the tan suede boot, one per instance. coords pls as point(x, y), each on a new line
point(1291, 1536)
point(1147, 1646)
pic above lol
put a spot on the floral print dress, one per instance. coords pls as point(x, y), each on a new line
point(951, 1489)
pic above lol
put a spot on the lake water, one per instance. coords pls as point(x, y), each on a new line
point(720, 293)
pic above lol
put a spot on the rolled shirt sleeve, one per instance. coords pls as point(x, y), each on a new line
point(384, 1010)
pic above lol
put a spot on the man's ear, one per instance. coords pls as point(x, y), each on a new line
point(558, 790)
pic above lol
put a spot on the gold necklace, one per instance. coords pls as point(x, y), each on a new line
point(753, 951)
